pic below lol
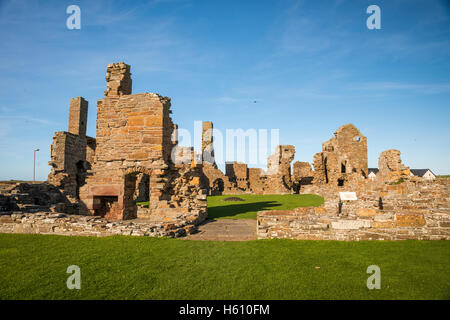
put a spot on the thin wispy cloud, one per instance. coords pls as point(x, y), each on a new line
point(27, 119)
point(429, 88)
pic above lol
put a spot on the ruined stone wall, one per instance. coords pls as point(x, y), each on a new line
point(72, 153)
point(301, 170)
point(118, 79)
point(207, 143)
point(133, 137)
point(68, 157)
point(238, 173)
point(343, 157)
point(391, 167)
point(135, 140)
point(238, 178)
point(216, 182)
point(78, 112)
point(31, 197)
point(302, 175)
point(241, 179)
point(76, 225)
point(411, 210)
point(279, 170)
point(91, 144)
point(256, 180)
point(133, 128)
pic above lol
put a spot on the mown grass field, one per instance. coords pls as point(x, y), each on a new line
point(34, 267)
point(219, 209)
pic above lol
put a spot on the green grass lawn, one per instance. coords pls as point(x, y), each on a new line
point(34, 267)
point(219, 209)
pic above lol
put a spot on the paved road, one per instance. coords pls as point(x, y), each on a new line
point(226, 230)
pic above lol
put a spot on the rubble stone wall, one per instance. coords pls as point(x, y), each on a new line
point(343, 157)
point(412, 210)
point(72, 153)
point(279, 179)
point(390, 166)
point(130, 159)
point(134, 136)
point(75, 225)
point(69, 162)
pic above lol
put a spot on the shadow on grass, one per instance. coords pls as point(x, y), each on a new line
point(234, 209)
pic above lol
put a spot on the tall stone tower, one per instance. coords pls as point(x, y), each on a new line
point(207, 143)
point(78, 111)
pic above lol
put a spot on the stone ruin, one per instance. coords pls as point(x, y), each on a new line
point(129, 161)
point(72, 153)
point(238, 178)
point(343, 158)
point(391, 168)
point(393, 206)
point(135, 159)
point(342, 164)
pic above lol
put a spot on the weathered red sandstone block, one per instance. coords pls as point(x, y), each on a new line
point(6, 219)
point(409, 219)
point(139, 156)
point(153, 121)
point(304, 210)
point(399, 188)
point(365, 212)
point(320, 210)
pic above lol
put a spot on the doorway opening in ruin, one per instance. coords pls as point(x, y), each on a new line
point(141, 193)
point(106, 206)
point(136, 190)
point(325, 169)
point(340, 182)
point(217, 187)
point(80, 177)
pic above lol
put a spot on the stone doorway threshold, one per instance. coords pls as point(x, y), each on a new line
point(225, 230)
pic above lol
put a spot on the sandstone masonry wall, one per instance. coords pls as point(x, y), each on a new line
point(75, 225)
point(412, 210)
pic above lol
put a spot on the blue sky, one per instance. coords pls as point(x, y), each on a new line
point(312, 66)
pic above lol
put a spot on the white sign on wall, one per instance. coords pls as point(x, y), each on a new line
point(350, 196)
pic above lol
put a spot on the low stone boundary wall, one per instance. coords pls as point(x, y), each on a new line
point(365, 224)
point(77, 225)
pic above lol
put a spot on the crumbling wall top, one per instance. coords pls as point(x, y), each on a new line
point(391, 166)
point(118, 79)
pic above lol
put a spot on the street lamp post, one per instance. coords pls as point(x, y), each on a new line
point(34, 164)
